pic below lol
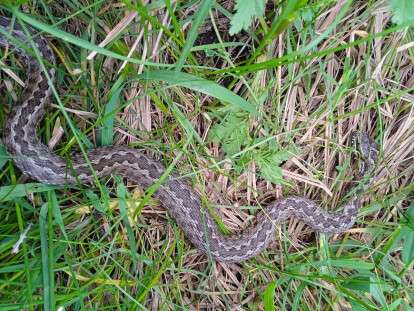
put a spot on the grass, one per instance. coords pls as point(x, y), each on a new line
point(247, 119)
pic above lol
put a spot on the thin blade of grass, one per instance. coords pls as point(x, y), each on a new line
point(288, 16)
point(44, 245)
point(193, 33)
point(121, 194)
point(107, 129)
point(297, 56)
point(152, 276)
point(269, 296)
point(57, 214)
point(81, 42)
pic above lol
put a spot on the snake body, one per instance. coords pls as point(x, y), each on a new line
point(35, 159)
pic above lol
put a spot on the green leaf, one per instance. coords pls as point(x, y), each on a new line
point(358, 283)
point(174, 78)
point(4, 156)
point(247, 10)
point(57, 214)
point(53, 30)
point(403, 11)
point(377, 291)
point(270, 172)
point(8, 193)
point(409, 215)
point(107, 130)
point(407, 233)
point(269, 296)
point(269, 165)
point(396, 305)
point(231, 133)
point(47, 267)
point(95, 201)
point(356, 264)
point(14, 3)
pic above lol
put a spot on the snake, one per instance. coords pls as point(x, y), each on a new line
point(34, 159)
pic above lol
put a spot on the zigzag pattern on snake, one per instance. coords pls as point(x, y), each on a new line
point(33, 158)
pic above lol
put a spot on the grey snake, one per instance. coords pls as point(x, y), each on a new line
point(35, 159)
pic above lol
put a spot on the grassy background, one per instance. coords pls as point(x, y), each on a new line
point(247, 118)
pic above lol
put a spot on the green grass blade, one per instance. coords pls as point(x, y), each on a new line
point(198, 84)
point(8, 193)
point(46, 262)
point(269, 296)
point(122, 193)
point(107, 129)
point(81, 42)
point(4, 156)
point(199, 18)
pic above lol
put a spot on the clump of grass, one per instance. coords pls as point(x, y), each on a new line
point(248, 118)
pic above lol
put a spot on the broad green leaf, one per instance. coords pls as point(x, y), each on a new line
point(269, 296)
point(95, 201)
point(53, 200)
point(174, 78)
point(407, 252)
point(8, 193)
point(356, 264)
point(377, 291)
point(403, 11)
point(358, 282)
point(393, 306)
point(107, 130)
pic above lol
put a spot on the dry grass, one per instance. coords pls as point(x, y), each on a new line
point(309, 107)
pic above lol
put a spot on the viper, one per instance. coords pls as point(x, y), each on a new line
point(34, 159)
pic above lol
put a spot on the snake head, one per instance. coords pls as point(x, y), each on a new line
point(367, 146)
point(367, 150)
point(351, 209)
point(368, 156)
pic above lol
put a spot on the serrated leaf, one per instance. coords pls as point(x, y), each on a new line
point(270, 172)
point(247, 10)
point(281, 156)
point(402, 10)
point(231, 133)
point(269, 165)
